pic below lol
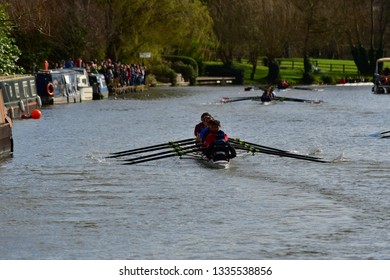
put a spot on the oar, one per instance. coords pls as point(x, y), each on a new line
point(264, 149)
point(175, 150)
point(152, 148)
point(248, 144)
point(235, 99)
point(385, 136)
point(179, 154)
point(172, 145)
point(155, 146)
point(281, 98)
point(377, 134)
point(290, 155)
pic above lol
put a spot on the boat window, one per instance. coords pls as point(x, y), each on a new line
point(26, 92)
point(17, 92)
point(33, 88)
point(6, 93)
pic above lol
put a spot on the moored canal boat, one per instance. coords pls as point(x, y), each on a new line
point(6, 143)
point(57, 86)
point(83, 85)
point(19, 95)
point(99, 86)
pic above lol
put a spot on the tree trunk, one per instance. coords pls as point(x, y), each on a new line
point(273, 71)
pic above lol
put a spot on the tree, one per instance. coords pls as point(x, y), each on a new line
point(366, 26)
point(227, 17)
point(9, 52)
point(157, 26)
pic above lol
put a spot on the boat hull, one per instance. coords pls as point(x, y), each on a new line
point(6, 147)
point(58, 86)
point(219, 164)
point(19, 95)
point(6, 144)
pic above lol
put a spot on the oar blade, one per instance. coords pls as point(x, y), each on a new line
point(377, 134)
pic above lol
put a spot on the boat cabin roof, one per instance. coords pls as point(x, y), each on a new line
point(383, 59)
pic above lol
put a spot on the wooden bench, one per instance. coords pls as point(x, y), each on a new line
point(215, 80)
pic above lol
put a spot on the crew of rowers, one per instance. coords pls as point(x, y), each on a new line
point(268, 95)
point(208, 132)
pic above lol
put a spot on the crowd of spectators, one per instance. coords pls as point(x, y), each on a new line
point(116, 73)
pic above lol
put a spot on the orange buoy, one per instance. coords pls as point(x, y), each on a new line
point(36, 114)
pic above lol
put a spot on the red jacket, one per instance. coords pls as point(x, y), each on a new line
point(211, 137)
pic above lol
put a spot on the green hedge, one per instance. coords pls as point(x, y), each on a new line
point(184, 65)
point(186, 70)
point(184, 59)
point(164, 73)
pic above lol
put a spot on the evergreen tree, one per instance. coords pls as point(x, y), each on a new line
point(9, 52)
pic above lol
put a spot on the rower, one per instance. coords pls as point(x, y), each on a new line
point(202, 124)
point(214, 129)
point(220, 149)
point(268, 95)
point(205, 131)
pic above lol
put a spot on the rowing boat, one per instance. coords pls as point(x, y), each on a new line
point(218, 164)
point(201, 158)
point(189, 148)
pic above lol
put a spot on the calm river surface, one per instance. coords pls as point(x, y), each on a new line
point(61, 199)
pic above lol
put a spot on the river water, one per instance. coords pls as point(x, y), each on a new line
point(62, 199)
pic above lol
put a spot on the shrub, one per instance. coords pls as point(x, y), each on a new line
point(327, 80)
point(151, 80)
point(184, 59)
point(307, 78)
point(186, 70)
point(164, 73)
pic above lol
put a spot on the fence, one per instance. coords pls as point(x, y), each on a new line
point(341, 68)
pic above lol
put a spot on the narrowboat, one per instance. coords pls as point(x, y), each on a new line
point(99, 86)
point(6, 143)
point(57, 86)
point(19, 95)
point(83, 85)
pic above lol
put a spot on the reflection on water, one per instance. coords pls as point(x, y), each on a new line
point(62, 199)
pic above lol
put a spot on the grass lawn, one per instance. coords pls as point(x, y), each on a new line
point(330, 71)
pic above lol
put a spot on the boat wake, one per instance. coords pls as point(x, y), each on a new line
point(340, 158)
point(96, 157)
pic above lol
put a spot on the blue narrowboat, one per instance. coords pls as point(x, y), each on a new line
point(57, 86)
point(19, 95)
